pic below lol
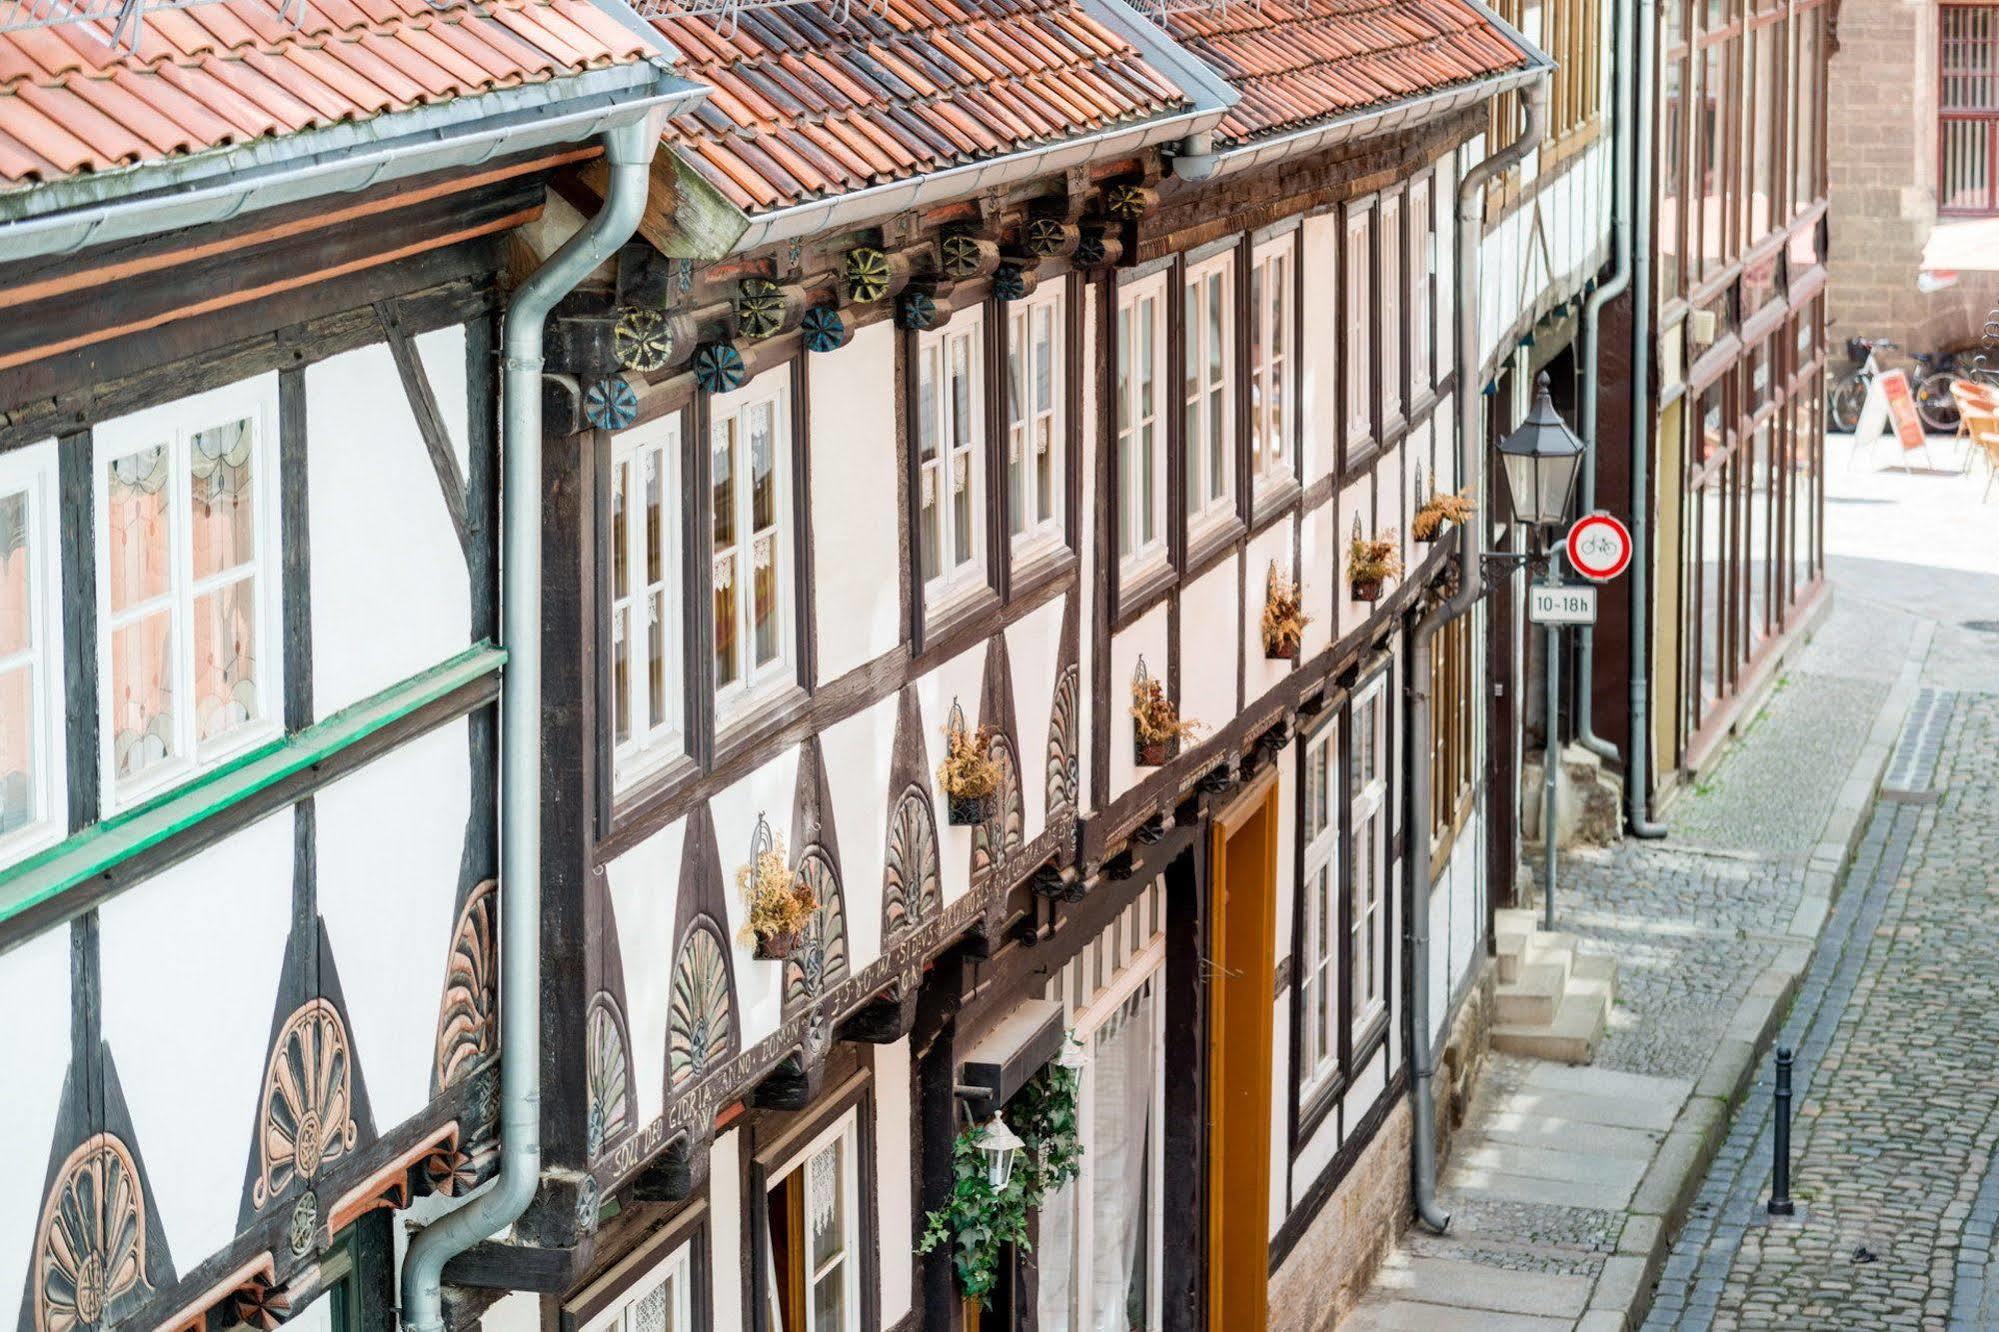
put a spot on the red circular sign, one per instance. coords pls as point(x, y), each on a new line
point(1599, 547)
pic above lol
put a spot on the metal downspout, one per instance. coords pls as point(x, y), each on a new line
point(1471, 458)
point(629, 150)
point(1623, 173)
point(1637, 774)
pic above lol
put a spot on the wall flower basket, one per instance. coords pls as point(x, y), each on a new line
point(969, 774)
point(1157, 728)
point(1428, 524)
point(1284, 617)
point(1371, 562)
point(781, 903)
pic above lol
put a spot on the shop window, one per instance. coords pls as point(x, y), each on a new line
point(812, 1255)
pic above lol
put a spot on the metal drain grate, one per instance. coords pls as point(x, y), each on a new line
point(1912, 768)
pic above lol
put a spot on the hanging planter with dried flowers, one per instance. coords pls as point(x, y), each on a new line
point(1372, 561)
point(1284, 617)
point(781, 902)
point(969, 773)
point(1428, 524)
point(1156, 725)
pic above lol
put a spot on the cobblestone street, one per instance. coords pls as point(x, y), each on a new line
point(1837, 872)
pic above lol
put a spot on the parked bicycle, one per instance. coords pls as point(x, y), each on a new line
point(1935, 372)
point(1847, 395)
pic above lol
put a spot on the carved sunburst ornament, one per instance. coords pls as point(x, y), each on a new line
point(759, 307)
point(910, 889)
point(866, 273)
point(1127, 202)
point(1046, 236)
point(917, 311)
point(90, 1248)
point(1090, 250)
point(642, 339)
point(718, 367)
point(306, 1117)
point(700, 1020)
point(823, 329)
point(610, 1077)
point(961, 255)
point(1009, 282)
point(610, 403)
point(470, 1008)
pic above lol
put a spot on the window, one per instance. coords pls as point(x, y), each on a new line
point(1319, 900)
point(1572, 38)
point(1967, 105)
point(1360, 324)
point(1712, 126)
point(646, 674)
point(1422, 287)
point(1273, 388)
point(1391, 287)
point(1210, 403)
point(813, 1281)
point(32, 793)
point(1452, 740)
point(1808, 176)
point(750, 516)
point(1141, 433)
point(187, 586)
point(1765, 93)
point(1367, 997)
point(1036, 470)
point(950, 459)
point(660, 1301)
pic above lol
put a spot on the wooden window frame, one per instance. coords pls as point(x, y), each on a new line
point(1453, 758)
point(1420, 260)
point(1204, 509)
point(1037, 538)
point(789, 1151)
point(757, 685)
point(1273, 267)
point(1317, 1083)
point(1366, 1025)
point(1145, 559)
point(947, 594)
point(1391, 313)
point(31, 474)
point(1358, 439)
point(652, 748)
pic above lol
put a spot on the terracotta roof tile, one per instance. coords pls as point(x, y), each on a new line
point(1300, 61)
point(235, 70)
point(805, 108)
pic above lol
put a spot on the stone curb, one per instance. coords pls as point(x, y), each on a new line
point(1623, 1294)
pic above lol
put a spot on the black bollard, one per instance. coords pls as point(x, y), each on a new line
point(1780, 1190)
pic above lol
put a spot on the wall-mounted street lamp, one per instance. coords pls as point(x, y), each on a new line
point(1000, 1145)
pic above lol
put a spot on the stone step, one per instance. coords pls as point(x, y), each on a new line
point(1573, 1035)
point(1532, 997)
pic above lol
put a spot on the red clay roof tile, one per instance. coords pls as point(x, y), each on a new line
point(1300, 61)
point(235, 70)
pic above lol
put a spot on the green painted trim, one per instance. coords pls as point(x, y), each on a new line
point(89, 853)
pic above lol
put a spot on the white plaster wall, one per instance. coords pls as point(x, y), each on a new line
point(1210, 621)
point(644, 885)
point(1319, 341)
point(189, 1036)
point(1316, 1153)
point(442, 351)
point(768, 790)
point(1369, 1081)
point(517, 1311)
point(854, 509)
point(1356, 499)
point(725, 1230)
point(1033, 646)
point(1273, 545)
point(959, 679)
point(1145, 638)
point(1446, 451)
point(859, 751)
point(893, 1116)
point(1388, 510)
point(390, 841)
point(1467, 921)
point(1319, 561)
point(391, 595)
point(34, 1049)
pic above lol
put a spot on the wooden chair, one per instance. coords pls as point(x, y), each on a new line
point(1983, 427)
point(1973, 399)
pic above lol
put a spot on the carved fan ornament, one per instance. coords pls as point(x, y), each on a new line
point(466, 1019)
point(823, 329)
point(911, 894)
point(306, 1116)
point(1006, 829)
point(642, 339)
point(866, 273)
point(699, 1022)
point(917, 311)
point(90, 1248)
point(718, 367)
point(820, 960)
point(1065, 777)
point(609, 1073)
point(960, 255)
point(610, 403)
point(1046, 236)
point(759, 307)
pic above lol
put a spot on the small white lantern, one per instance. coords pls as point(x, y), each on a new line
point(1001, 1146)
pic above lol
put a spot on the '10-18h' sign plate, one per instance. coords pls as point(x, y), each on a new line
point(1562, 603)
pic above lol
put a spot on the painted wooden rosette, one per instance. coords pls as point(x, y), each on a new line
point(718, 367)
point(1128, 203)
point(642, 339)
point(1010, 283)
point(1047, 237)
point(965, 256)
point(823, 329)
point(1096, 247)
point(760, 307)
point(866, 274)
point(610, 403)
point(917, 310)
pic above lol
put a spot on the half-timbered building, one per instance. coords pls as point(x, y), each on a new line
point(986, 372)
point(251, 265)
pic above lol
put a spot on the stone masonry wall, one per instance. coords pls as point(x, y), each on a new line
point(1881, 134)
point(1330, 1268)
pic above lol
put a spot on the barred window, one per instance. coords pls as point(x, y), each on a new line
point(1968, 109)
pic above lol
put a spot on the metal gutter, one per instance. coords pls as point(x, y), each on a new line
point(207, 188)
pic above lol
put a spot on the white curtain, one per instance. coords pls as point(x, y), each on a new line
point(1122, 1066)
point(1055, 1260)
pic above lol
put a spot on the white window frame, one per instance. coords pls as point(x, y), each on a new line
point(1321, 886)
point(1210, 497)
point(942, 588)
point(675, 1272)
point(1357, 276)
point(1367, 921)
point(1422, 285)
point(846, 1131)
point(755, 683)
point(1134, 299)
point(1392, 238)
point(649, 746)
point(31, 473)
point(1026, 429)
point(174, 425)
point(1273, 417)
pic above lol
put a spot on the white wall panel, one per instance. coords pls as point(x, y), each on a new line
point(1318, 562)
point(1147, 638)
point(1272, 546)
point(893, 1117)
point(956, 680)
point(1280, 1113)
point(34, 1049)
point(725, 1230)
point(766, 791)
point(854, 518)
point(442, 351)
point(1319, 339)
point(189, 1036)
point(644, 885)
point(859, 751)
point(391, 595)
point(1209, 624)
point(391, 839)
point(517, 1311)
point(1033, 646)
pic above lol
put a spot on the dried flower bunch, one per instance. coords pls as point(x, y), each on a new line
point(1158, 721)
point(1374, 559)
point(781, 903)
point(1438, 510)
point(1284, 617)
point(969, 770)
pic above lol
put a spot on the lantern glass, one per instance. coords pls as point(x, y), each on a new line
point(1542, 459)
point(1001, 1146)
